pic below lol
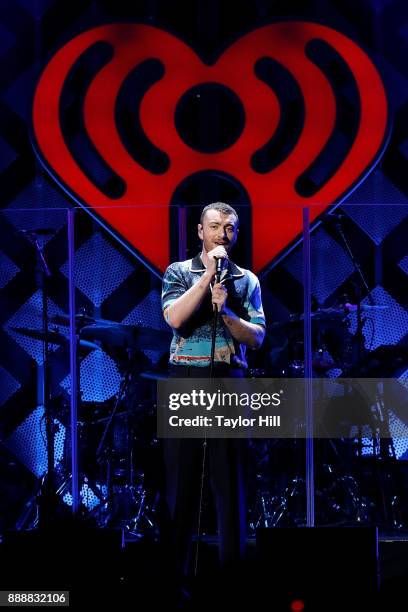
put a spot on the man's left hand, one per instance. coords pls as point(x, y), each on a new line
point(219, 296)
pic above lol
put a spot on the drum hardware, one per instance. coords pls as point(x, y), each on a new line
point(127, 501)
point(355, 411)
point(341, 498)
point(131, 504)
point(329, 330)
point(338, 502)
point(113, 334)
point(123, 499)
point(104, 453)
point(273, 510)
point(47, 499)
point(341, 495)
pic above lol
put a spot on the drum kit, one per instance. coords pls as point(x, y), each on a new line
point(357, 480)
point(335, 347)
point(119, 452)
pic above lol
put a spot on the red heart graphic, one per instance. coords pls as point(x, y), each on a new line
point(272, 228)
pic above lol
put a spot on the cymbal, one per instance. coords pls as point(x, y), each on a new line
point(354, 307)
point(154, 375)
point(54, 337)
point(328, 312)
point(322, 314)
point(80, 318)
point(127, 336)
point(115, 334)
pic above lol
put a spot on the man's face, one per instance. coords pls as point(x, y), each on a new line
point(218, 229)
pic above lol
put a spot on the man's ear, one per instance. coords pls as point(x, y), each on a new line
point(200, 231)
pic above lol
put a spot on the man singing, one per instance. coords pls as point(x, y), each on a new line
point(188, 298)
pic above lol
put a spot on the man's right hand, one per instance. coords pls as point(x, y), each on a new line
point(218, 253)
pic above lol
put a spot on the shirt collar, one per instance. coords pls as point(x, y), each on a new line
point(234, 271)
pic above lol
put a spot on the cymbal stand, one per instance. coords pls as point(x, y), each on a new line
point(359, 285)
point(102, 452)
point(385, 451)
point(47, 498)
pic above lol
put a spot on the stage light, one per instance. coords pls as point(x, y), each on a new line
point(297, 605)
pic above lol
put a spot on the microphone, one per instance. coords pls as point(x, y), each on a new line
point(219, 265)
point(220, 261)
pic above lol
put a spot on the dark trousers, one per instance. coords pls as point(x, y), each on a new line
point(224, 465)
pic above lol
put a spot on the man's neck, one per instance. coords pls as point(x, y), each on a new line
point(204, 257)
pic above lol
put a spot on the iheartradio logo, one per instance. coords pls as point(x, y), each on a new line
point(294, 126)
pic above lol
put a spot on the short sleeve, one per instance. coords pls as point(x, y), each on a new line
point(253, 302)
point(173, 285)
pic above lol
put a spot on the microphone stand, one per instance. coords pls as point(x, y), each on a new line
point(219, 261)
point(215, 317)
point(105, 451)
point(385, 447)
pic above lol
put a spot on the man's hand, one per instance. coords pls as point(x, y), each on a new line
point(219, 296)
point(218, 253)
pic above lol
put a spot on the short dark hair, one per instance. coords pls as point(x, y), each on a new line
point(224, 208)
